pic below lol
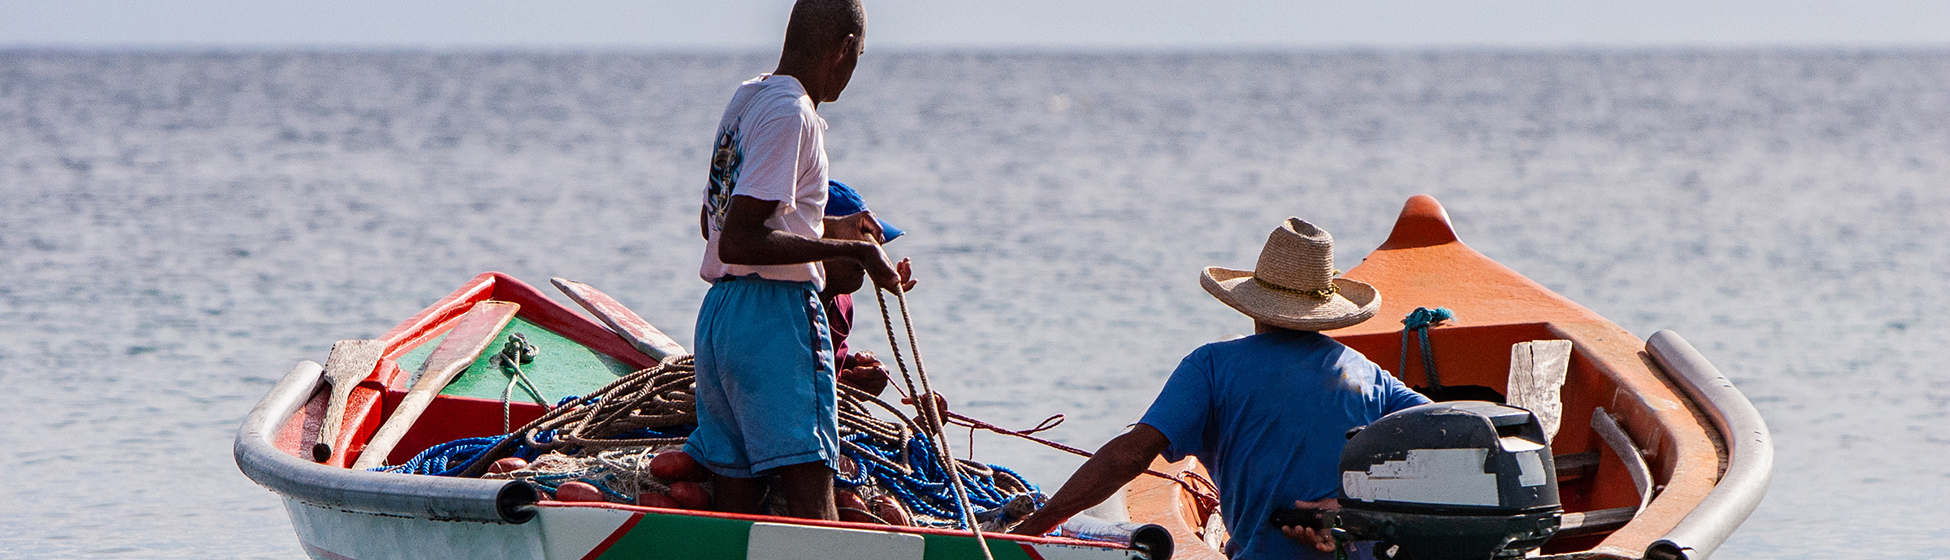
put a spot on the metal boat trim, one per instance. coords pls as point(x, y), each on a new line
point(1750, 452)
point(437, 498)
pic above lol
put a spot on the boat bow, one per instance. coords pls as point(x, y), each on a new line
point(426, 497)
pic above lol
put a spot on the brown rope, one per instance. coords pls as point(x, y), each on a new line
point(665, 395)
point(1190, 482)
point(674, 372)
point(1206, 499)
point(924, 405)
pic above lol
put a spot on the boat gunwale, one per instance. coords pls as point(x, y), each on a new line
point(1749, 453)
point(445, 499)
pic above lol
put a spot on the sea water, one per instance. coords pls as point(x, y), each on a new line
point(178, 229)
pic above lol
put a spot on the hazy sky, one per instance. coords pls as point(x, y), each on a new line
point(897, 24)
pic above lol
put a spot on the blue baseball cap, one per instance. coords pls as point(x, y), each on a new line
point(841, 200)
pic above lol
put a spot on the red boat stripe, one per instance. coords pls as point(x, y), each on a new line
point(614, 536)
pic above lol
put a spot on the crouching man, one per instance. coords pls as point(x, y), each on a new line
point(1267, 414)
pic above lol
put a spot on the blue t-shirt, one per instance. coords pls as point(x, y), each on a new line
point(1267, 415)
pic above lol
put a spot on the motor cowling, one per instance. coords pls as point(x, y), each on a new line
point(1460, 480)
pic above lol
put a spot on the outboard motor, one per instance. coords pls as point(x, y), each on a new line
point(1461, 480)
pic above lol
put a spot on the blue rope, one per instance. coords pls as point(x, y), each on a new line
point(925, 489)
point(1418, 323)
point(454, 457)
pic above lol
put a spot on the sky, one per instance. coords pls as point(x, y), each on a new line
point(977, 24)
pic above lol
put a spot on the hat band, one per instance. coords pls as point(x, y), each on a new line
point(1322, 293)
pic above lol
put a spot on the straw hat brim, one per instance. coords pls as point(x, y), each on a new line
point(1355, 301)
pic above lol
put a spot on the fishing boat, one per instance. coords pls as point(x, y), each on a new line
point(313, 437)
point(1657, 456)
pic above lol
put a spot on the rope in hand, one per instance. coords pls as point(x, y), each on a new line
point(924, 404)
point(1418, 322)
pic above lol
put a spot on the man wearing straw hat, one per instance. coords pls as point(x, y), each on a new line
point(1268, 413)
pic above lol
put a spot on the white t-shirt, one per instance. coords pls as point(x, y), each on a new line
point(771, 146)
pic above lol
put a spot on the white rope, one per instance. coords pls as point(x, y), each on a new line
point(927, 410)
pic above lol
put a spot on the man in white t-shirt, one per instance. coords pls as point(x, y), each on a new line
point(766, 404)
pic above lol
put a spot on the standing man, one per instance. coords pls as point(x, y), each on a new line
point(1268, 413)
point(766, 406)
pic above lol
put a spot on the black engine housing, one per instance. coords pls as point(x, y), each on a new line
point(1460, 480)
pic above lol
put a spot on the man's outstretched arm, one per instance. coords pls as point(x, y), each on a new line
point(746, 240)
point(1122, 459)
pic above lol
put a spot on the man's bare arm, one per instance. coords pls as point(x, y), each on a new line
point(746, 240)
point(1122, 459)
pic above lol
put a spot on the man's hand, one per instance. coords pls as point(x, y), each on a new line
point(940, 405)
point(861, 226)
point(905, 269)
point(1322, 540)
point(867, 374)
point(858, 226)
point(885, 274)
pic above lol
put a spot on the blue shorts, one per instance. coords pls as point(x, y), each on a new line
point(765, 393)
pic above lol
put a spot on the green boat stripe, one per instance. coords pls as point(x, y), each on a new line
point(657, 536)
point(956, 547)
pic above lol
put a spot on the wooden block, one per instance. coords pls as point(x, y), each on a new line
point(350, 363)
point(464, 344)
point(1537, 370)
point(625, 323)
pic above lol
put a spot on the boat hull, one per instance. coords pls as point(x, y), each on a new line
point(568, 531)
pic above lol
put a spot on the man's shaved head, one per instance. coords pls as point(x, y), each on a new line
point(819, 25)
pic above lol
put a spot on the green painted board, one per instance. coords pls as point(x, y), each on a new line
point(561, 368)
point(683, 536)
point(944, 547)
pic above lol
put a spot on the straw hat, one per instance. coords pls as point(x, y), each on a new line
point(1294, 286)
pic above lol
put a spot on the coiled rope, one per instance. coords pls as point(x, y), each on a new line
point(660, 396)
point(617, 427)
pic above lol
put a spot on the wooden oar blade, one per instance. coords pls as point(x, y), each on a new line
point(625, 323)
point(350, 363)
point(464, 343)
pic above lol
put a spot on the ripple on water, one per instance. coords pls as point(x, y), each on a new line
point(178, 229)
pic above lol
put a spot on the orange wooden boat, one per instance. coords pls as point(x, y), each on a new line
point(1659, 456)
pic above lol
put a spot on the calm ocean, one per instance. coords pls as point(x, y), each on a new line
point(178, 229)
